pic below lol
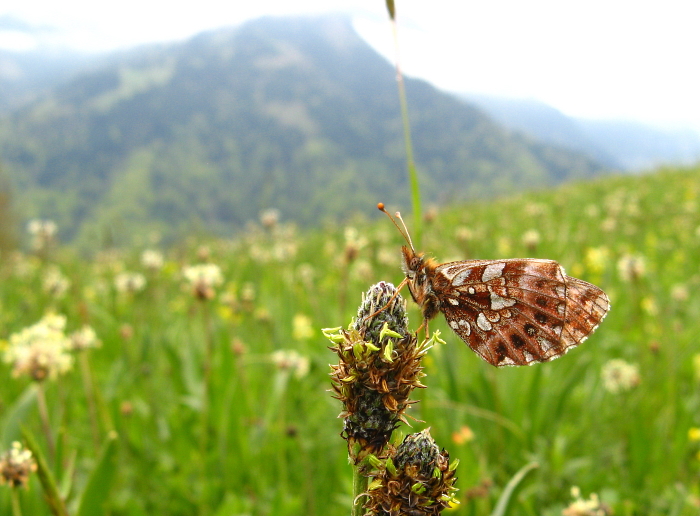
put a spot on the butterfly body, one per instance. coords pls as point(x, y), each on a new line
point(511, 311)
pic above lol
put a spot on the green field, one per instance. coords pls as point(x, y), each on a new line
point(185, 409)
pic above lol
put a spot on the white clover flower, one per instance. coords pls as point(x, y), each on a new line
point(354, 242)
point(55, 283)
point(16, 465)
point(42, 228)
point(631, 267)
point(581, 507)
point(619, 376)
point(203, 278)
point(84, 338)
point(129, 282)
point(290, 359)
point(41, 350)
point(43, 232)
point(152, 260)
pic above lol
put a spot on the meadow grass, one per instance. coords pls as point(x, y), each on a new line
point(140, 427)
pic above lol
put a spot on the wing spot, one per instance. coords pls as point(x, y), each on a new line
point(482, 322)
point(540, 317)
point(530, 330)
point(498, 302)
point(453, 301)
point(454, 325)
point(492, 271)
point(459, 278)
point(542, 301)
point(517, 340)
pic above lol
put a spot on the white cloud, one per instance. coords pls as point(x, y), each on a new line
point(600, 58)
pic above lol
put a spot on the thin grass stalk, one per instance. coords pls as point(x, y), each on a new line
point(410, 161)
point(206, 389)
point(45, 420)
point(88, 386)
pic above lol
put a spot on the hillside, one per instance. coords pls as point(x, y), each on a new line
point(297, 114)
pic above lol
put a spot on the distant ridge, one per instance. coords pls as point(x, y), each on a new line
point(299, 114)
point(614, 143)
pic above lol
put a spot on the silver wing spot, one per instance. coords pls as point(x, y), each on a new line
point(492, 271)
point(483, 323)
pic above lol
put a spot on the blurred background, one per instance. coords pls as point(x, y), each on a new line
point(187, 196)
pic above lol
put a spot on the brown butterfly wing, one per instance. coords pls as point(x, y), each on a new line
point(519, 311)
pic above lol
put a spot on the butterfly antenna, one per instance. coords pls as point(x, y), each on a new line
point(404, 231)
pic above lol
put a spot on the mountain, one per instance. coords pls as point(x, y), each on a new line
point(299, 114)
point(26, 73)
point(614, 143)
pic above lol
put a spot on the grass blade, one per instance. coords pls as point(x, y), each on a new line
point(503, 501)
point(97, 489)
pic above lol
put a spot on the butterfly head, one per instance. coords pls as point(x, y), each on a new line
point(419, 272)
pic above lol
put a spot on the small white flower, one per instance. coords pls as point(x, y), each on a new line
point(15, 466)
point(619, 376)
point(129, 282)
point(290, 359)
point(203, 278)
point(631, 267)
point(152, 260)
point(84, 338)
point(41, 350)
point(55, 283)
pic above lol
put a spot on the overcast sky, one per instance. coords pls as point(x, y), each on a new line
point(630, 59)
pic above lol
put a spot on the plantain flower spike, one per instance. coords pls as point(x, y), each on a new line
point(416, 480)
point(378, 368)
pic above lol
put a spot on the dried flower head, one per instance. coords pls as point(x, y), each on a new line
point(203, 278)
point(378, 368)
point(41, 350)
point(416, 480)
point(619, 376)
point(16, 465)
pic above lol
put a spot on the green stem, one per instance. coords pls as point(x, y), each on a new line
point(90, 395)
point(45, 421)
point(206, 388)
point(412, 172)
point(16, 509)
point(359, 486)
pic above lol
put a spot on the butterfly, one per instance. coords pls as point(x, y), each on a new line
point(510, 312)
